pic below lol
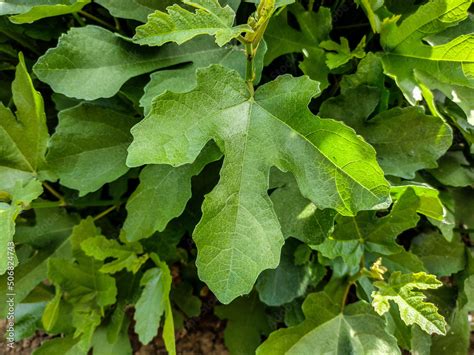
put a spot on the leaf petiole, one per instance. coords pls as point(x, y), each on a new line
point(96, 19)
point(56, 194)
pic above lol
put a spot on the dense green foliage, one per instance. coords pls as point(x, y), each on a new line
point(306, 163)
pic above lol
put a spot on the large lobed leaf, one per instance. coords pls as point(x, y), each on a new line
point(239, 234)
point(325, 328)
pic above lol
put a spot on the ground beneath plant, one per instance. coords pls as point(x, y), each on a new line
point(199, 337)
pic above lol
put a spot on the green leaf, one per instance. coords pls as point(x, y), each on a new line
point(23, 139)
point(91, 62)
point(429, 201)
point(246, 319)
point(180, 25)
point(454, 170)
point(288, 281)
point(375, 12)
point(400, 288)
point(447, 224)
point(153, 303)
point(407, 54)
point(461, 96)
point(51, 312)
point(32, 10)
point(49, 235)
point(102, 346)
point(52, 227)
point(340, 54)
point(184, 79)
point(330, 163)
point(403, 261)
point(358, 333)
point(416, 148)
point(440, 257)
point(299, 217)
point(282, 38)
point(369, 72)
point(177, 80)
point(22, 195)
point(365, 232)
point(162, 195)
point(59, 346)
point(318, 308)
point(89, 146)
point(131, 9)
point(81, 284)
point(126, 256)
point(183, 296)
point(27, 319)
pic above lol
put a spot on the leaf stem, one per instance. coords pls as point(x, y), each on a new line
point(346, 293)
point(96, 19)
point(56, 194)
point(106, 212)
point(78, 19)
point(21, 42)
point(52, 204)
point(346, 27)
point(250, 67)
point(117, 24)
point(310, 5)
point(462, 230)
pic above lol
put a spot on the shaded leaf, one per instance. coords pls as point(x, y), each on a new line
point(454, 170)
point(353, 236)
point(298, 217)
point(162, 195)
point(340, 54)
point(283, 39)
point(288, 281)
point(246, 319)
point(439, 256)
point(89, 147)
point(125, 255)
point(21, 160)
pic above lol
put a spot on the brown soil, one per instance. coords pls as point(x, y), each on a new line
point(24, 347)
point(203, 338)
point(199, 337)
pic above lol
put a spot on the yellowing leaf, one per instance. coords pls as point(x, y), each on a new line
point(180, 25)
point(400, 288)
